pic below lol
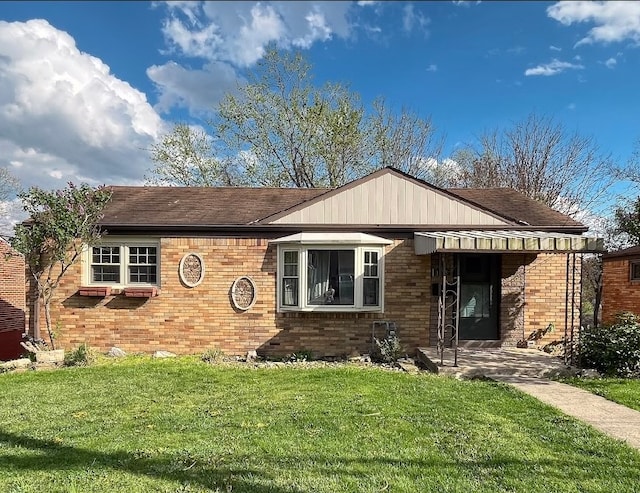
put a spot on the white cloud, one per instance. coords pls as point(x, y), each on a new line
point(611, 63)
point(432, 68)
point(238, 32)
point(198, 90)
point(571, 106)
point(231, 36)
point(465, 3)
point(614, 21)
point(552, 68)
point(64, 116)
point(11, 213)
point(411, 19)
point(554, 48)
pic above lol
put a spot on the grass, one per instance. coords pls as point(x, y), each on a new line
point(621, 390)
point(180, 425)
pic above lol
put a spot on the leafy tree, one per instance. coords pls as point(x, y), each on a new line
point(627, 219)
point(280, 129)
point(61, 223)
point(186, 157)
point(540, 158)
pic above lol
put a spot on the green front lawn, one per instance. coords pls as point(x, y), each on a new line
point(181, 425)
point(621, 390)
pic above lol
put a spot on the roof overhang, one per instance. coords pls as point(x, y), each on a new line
point(345, 238)
point(504, 241)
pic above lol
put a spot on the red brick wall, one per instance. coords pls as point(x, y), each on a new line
point(12, 289)
point(191, 320)
point(619, 293)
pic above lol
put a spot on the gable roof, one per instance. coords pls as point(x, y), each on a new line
point(210, 207)
point(390, 197)
point(515, 205)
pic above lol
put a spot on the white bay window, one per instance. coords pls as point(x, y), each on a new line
point(330, 272)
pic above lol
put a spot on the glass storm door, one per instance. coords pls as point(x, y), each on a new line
point(479, 296)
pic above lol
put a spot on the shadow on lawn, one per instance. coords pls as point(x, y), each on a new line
point(503, 473)
point(55, 456)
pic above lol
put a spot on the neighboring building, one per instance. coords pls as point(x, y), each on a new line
point(284, 270)
point(620, 283)
point(12, 301)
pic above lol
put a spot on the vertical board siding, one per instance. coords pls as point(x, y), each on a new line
point(390, 199)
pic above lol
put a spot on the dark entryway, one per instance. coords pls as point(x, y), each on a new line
point(479, 296)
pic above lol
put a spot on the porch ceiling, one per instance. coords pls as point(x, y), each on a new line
point(504, 241)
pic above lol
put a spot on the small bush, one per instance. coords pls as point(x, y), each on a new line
point(301, 356)
point(387, 350)
point(212, 356)
point(83, 355)
point(613, 350)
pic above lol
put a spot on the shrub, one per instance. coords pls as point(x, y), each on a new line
point(83, 355)
point(301, 356)
point(387, 350)
point(212, 356)
point(613, 350)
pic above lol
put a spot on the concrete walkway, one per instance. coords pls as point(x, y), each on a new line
point(610, 418)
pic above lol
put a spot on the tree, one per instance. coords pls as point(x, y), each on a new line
point(627, 220)
point(8, 183)
point(60, 224)
point(8, 186)
point(631, 170)
point(186, 157)
point(280, 129)
point(540, 158)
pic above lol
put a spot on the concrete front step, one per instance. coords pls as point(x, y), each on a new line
point(485, 363)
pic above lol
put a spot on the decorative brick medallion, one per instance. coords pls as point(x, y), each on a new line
point(243, 293)
point(191, 269)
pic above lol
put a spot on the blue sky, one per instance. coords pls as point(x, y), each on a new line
point(87, 87)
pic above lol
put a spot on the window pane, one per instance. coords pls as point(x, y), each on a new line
point(142, 274)
point(105, 273)
point(475, 300)
point(290, 292)
point(291, 270)
point(142, 255)
point(330, 277)
point(291, 257)
point(371, 288)
point(635, 271)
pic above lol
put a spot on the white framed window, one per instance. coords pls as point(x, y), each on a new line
point(327, 277)
point(121, 263)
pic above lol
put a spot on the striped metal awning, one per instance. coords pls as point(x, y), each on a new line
point(504, 241)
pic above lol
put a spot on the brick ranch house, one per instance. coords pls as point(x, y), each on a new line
point(284, 270)
point(620, 283)
point(12, 301)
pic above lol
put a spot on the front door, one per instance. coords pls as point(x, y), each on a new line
point(479, 296)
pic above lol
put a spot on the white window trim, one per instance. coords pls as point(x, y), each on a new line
point(303, 250)
point(124, 244)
